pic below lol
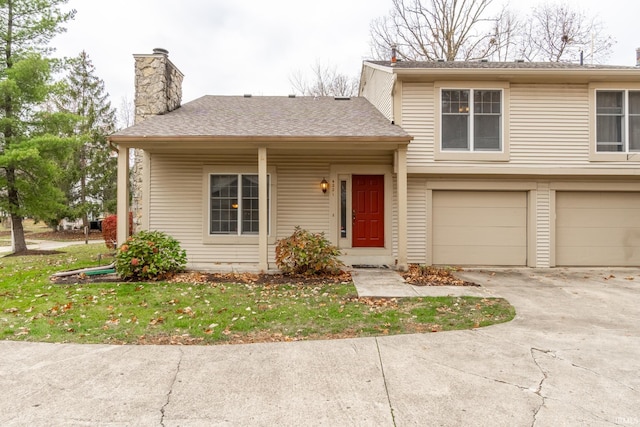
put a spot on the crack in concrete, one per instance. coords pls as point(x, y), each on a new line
point(386, 388)
point(173, 381)
point(538, 390)
point(598, 374)
point(454, 368)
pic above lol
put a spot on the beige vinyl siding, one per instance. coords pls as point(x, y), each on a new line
point(377, 88)
point(480, 227)
point(418, 121)
point(394, 218)
point(549, 124)
point(300, 201)
point(543, 225)
point(176, 206)
point(417, 220)
point(548, 127)
point(597, 228)
point(176, 201)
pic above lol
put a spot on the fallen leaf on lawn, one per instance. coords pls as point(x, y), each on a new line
point(156, 321)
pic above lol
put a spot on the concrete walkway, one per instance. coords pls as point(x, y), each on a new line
point(48, 245)
point(384, 282)
point(571, 357)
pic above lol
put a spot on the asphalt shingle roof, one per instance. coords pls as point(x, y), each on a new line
point(501, 65)
point(239, 116)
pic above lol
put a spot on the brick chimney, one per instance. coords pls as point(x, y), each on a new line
point(158, 84)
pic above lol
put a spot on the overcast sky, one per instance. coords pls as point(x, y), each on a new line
point(233, 47)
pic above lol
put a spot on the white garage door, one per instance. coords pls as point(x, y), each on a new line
point(597, 228)
point(480, 227)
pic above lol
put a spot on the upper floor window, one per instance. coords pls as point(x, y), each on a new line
point(617, 121)
point(471, 120)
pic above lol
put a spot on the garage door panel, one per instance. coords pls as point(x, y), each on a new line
point(483, 217)
point(597, 228)
point(599, 237)
point(598, 199)
point(488, 236)
point(481, 255)
point(479, 228)
point(597, 217)
point(470, 199)
point(607, 256)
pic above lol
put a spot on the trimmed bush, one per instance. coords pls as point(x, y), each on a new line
point(150, 255)
point(307, 253)
point(110, 230)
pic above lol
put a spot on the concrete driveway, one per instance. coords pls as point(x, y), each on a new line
point(571, 357)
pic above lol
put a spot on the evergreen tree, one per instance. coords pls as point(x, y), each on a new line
point(89, 180)
point(27, 156)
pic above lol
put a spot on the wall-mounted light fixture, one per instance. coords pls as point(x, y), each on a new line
point(324, 185)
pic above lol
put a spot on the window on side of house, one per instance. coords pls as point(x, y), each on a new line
point(617, 121)
point(234, 204)
point(471, 120)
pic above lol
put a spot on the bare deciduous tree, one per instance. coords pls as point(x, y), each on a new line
point(554, 32)
point(440, 29)
point(126, 113)
point(325, 80)
point(464, 30)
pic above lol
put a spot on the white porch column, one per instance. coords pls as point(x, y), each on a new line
point(123, 195)
point(263, 241)
point(402, 208)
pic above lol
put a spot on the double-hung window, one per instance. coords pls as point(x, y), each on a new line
point(234, 204)
point(617, 121)
point(471, 120)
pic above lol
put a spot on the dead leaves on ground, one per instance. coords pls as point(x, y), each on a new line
point(424, 275)
point(260, 279)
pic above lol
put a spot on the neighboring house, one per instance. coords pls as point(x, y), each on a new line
point(453, 163)
point(523, 164)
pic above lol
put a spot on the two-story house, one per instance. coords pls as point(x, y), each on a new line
point(452, 163)
point(529, 164)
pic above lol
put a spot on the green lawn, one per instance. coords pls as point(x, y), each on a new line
point(33, 309)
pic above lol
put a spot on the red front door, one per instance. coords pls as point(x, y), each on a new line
point(368, 210)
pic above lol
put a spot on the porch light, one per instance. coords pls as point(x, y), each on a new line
point(324, 185)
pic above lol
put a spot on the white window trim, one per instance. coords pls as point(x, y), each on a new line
point(471, 155)
point(608, 156)
point(242, 239)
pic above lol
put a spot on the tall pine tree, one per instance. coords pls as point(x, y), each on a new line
point(27, 167)
point(89, 180)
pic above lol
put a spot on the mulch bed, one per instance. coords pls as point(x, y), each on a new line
point(204, 278)
point(34, 252)
point(63, 235)
point(420, 275)
point(417, 275)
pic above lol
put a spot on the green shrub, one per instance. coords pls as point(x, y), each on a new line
point(150, 255)
point(307, 253)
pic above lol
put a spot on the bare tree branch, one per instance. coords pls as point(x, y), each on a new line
point(556, 33)
point(463, 30)
point(439, 29)
point(324, 81)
